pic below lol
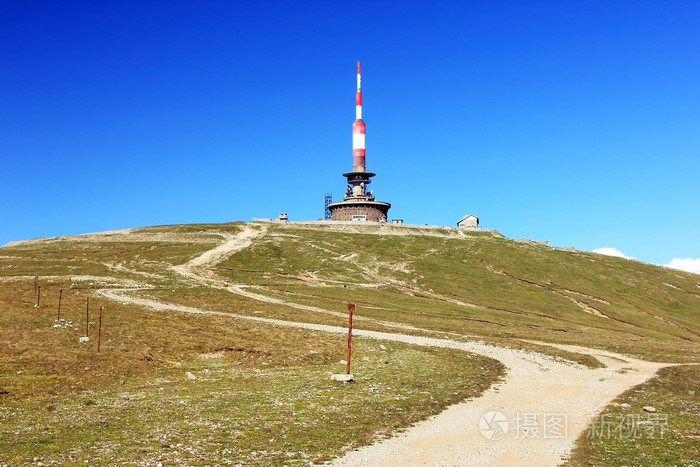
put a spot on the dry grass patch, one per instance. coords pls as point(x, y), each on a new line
point(262, 393)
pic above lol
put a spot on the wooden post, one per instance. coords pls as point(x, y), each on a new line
point(60, 295)
point(351, 307)
point(38, 296)
point(36, 281)
point(87, 316)
point(99, 331)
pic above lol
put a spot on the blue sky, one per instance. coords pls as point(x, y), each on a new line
point(573, 122)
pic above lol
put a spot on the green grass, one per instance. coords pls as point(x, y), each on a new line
point(241, 414)
point(520, 290)
point(631, 436)
point(63, 402)
point(221, 300)
point(263, 393)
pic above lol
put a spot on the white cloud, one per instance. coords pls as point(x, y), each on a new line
point(609, 251)
point(686, 264)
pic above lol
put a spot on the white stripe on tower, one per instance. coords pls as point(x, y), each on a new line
point(358, 130)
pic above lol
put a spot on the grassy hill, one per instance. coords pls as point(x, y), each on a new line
point(480, 284)
point(268, 386)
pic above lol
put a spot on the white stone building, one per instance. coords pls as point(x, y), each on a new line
point(469, 222)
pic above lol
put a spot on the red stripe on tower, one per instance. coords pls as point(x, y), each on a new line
point(358, 130)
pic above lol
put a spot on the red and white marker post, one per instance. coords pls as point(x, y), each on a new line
point(87, 317)
point(99, 330)
point(60, 296)
point(351, 308)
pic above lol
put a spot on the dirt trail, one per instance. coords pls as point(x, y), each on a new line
point(542, 408)
point(536, 389)
point(535, 385)
point(195, 269)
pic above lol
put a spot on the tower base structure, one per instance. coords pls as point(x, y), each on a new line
point(360, 209)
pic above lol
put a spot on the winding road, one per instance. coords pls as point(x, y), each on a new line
point(531, 418)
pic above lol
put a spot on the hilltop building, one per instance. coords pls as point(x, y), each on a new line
point(469, 222)
point(358, 203)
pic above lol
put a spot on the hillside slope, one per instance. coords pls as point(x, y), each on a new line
point(247, 307)
point(479, 284)
point(470, 283)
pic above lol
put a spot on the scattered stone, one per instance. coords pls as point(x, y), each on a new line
point(85, 339)
point(342, 377)
point(625, 405)
point(365, 359)
point(648, 408)
point(190, 376)
point(312, 352)
point(343, 362)
point(382, 347)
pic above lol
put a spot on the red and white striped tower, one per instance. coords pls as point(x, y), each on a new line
point(359, 202)
point(359, 179)
point(358, 130)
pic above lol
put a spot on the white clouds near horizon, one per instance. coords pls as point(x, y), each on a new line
point(682, 264)
point(685, 264)
point(610, 251)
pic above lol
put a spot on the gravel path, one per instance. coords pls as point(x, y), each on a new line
point(196, 268)
point(532, 418)
point(535, 386)
point(541, 408)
